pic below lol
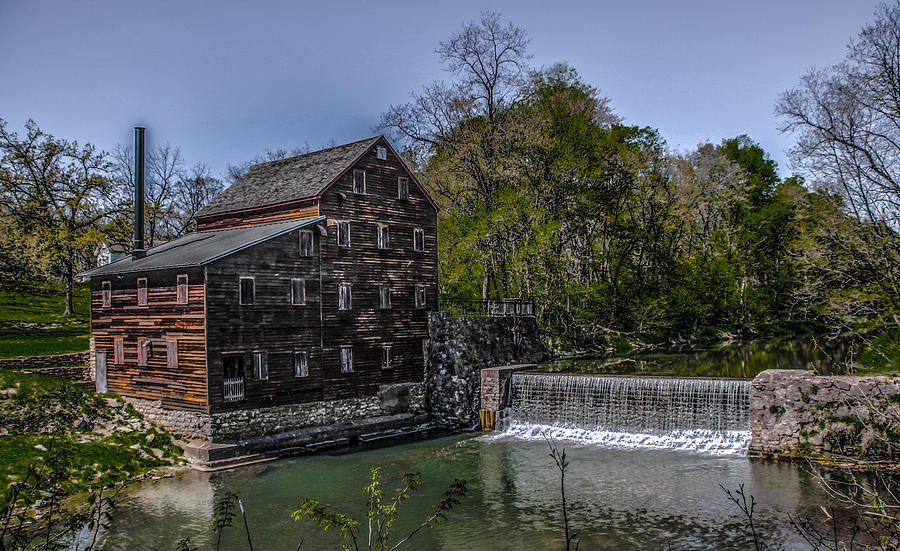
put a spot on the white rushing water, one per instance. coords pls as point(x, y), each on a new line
point(704, 415)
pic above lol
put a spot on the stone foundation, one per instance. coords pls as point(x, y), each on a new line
point(245, 424)
point(460, 348)
point(798, 412)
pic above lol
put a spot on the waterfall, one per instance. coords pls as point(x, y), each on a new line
point(710, 415)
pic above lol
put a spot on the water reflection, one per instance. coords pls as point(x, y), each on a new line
point(744, 360)
point(619, 499)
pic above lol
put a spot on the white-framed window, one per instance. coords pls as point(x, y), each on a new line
point(142, 345)
point(383, 236)
point(384, 297)
point(306, 243)
point(343, 234)
point(403, 188)
point(106, 293)
point(172, 353)
point(419, 240)
point(387, 357)
point(301, 364)
point(420, 296)
point(344, 297)
point(247, 290)
point(298, 292)
point(142, 291)
point(119, 350)
point(346, 359)
point(359, 181)
point(381, 152)
point(181, 286)
point(260, 367)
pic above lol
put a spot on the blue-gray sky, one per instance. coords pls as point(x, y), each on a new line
point(226, 80)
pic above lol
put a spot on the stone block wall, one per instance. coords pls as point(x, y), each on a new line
point(799, 412)
point(460, 347)
point(258, 422)
point(494, 385)
point(34, 362)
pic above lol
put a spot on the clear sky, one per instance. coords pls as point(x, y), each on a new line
point(226, 80)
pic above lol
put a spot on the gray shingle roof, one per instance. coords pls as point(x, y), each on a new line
point(287, 179)
point(203, 247)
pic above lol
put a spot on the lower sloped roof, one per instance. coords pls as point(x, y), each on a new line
point(202, 247)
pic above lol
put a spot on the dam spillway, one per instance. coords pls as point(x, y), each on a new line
point(708, 415)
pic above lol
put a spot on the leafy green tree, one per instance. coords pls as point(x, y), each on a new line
point(54, 190)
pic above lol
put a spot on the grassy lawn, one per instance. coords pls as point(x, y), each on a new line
point(42, 414)
point(32, 321)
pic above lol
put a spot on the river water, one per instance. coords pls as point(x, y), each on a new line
point(619, 498)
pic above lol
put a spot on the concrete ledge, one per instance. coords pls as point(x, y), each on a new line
point(494, 387)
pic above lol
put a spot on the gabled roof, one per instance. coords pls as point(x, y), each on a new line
point(200, 248)
point(289, 179)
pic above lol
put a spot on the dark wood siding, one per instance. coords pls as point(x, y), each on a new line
point(184, 387)
point(271, 324)
point(365, 327)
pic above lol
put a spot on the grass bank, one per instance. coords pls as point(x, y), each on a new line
point(32, 321)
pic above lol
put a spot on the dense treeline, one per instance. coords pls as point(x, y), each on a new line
point(546, 193)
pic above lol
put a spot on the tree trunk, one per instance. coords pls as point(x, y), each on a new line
point(70, 287)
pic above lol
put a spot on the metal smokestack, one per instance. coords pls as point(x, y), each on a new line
point(137, 250)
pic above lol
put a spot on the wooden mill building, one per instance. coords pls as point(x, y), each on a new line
point(309, 279)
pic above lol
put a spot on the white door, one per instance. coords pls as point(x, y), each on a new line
point(100, 371)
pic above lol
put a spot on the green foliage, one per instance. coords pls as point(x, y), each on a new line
point(381, 513)
point(882, 354)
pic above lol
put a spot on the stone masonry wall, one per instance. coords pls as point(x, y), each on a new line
point(798, 412)
point(33, 362)
point(252, 423)
point(460, 347)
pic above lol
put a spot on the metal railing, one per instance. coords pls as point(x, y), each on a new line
point(486, 308)
point(234, 389)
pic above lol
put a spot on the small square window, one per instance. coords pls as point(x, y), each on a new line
point(346, 359)
point(306, 243)
point(106, 292)
point(403, 188)
point(343, 234)
point(118, 350)
point(172, 353)
point(298, 292)
point(387, 357)
point(383, 236)
point(384, 297)
point(301, 365)
point(344, 298)
point(142, 351)
point(142, 291)
point(247, 290)
point(359, 182)
point(420, 296)
point(260, 368)
point(419, 240)
point(381, 152)
point(181, 283)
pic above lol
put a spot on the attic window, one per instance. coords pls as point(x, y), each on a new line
point(182, 289)
point(106, 290)
point(419, 240)
point(403, 189)
point(359, 182)
point(381, 153)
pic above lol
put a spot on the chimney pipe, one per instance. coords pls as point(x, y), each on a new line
point(137, 251)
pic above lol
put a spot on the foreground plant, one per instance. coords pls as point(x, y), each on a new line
point(381, 514)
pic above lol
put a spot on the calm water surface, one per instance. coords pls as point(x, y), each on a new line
point(744, 360)
point(619, 499)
